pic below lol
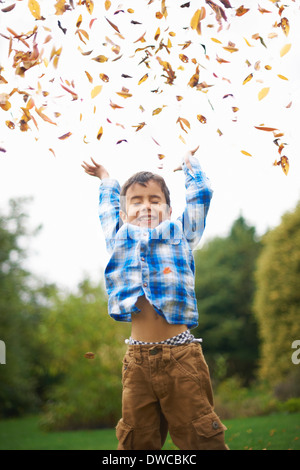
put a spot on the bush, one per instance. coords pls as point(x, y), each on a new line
point(86, 393)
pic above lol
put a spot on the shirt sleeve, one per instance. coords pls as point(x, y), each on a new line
point(109, 210)
point(198, 197)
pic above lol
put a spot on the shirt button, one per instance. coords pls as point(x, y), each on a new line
point(145, 284)
point(143, 259)
point(215, 425)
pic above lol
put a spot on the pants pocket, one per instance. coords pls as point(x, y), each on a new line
point(124, 435)
point(210, 432)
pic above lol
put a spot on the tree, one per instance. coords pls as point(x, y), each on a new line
point(277, 300)
point(86, 392)
point(21, 309)
point(224, 289)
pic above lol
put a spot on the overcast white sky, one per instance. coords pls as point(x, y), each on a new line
point(71, 243)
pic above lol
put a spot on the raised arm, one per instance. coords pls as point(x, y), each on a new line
point(109, 202)
point(198, 197)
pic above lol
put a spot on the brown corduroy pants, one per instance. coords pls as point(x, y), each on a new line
point(168, 388)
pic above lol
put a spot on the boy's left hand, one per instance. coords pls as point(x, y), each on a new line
point(187, 160)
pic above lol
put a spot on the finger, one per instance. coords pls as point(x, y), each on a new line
point(178, 168)
point(96, 164)
point(194, 151)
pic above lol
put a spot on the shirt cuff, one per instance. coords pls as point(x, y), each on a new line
point(110, 184)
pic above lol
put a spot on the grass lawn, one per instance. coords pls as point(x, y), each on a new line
point(274, 432)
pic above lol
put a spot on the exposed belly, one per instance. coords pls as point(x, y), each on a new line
point(149, 326)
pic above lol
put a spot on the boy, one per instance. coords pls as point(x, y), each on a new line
point(150, 282)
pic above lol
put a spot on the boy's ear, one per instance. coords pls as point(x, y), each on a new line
point(123, 216)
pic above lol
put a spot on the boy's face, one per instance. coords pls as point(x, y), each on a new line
point(146, 205)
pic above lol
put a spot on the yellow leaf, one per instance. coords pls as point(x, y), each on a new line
point(90, 78)
point(285, 49)
point(196, 19)
point(248, 78)
point(107, 4)
point(263, 93)
point(79, 21)
point(248, 43)
point(60, 7)
point(100, 133)
point(201, 118)
point(100, 58)
point(90, 6)
point(216, 40)
point(35, 9)
point(246, 153)
point(143, 79)
point(96, 91)
point(157, 34)
point(282, 77)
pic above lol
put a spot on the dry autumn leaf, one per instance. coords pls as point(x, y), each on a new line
point(89, 355)
point(95, 91)
point(35, 9)
point(285, 49)
point(263, 93)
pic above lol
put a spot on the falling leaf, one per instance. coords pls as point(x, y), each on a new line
point(262, 10)
point(140, 126)
point(248, 78)
point(89, 355)
point(194, 79)
point(113, 25)
point(246, 153)
point(143, 79)
point(90, 78)
point(35, 9)
point(285, 25)
point(202, 119)
point(60, 7)
point(95, 91)
point(285, 49)
point(182, 122)
point(65, 136)
point(10, 124)
point(100, 58)
point(107, 4)
point(51, 150)
point(241, 11)
point(198, 16)
point(216, 40)
point(285, 165)
point(156, 111)
point(268, 129)
point(89, 5)
point(161, 156)
point(263, 93)
point(104, 78)
point(100, 133)
point(282, 77)
point(43, 116)
point(167, 270)
point(124, 94)
point(9, 8)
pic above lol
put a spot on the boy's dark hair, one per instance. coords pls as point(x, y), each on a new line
point(142, 177)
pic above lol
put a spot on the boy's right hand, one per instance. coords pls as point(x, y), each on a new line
point(95, 170)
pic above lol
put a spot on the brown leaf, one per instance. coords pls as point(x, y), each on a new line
point(89, 355)
point(9, 8)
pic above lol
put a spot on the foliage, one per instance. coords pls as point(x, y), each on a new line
point(21, 308)
point(86, 393)
point(277, 300)
point(224, 289)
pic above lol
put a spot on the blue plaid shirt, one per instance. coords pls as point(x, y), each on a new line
point(157, 262)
